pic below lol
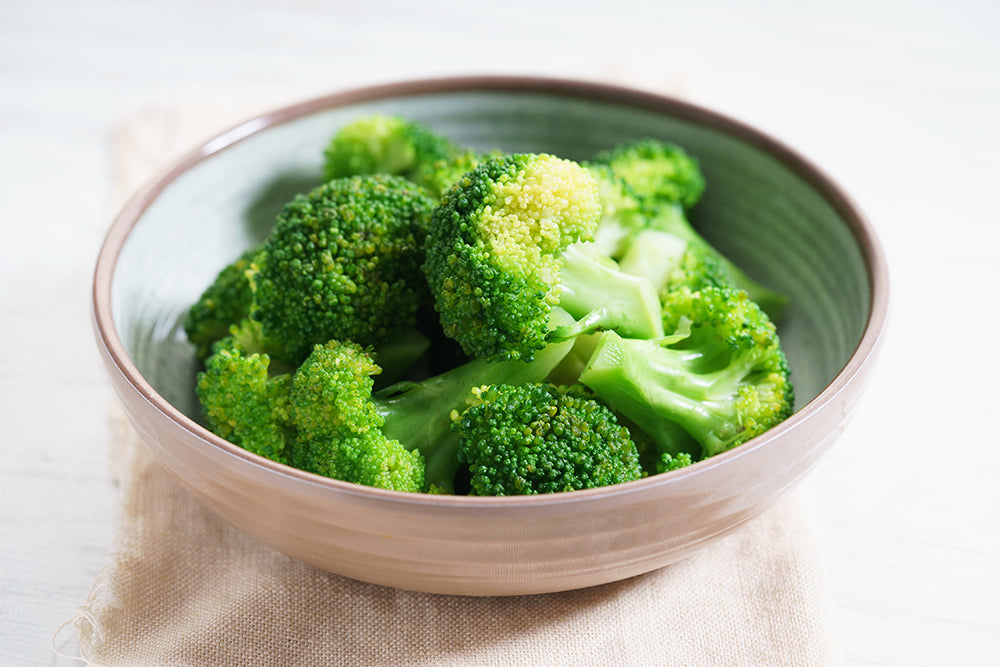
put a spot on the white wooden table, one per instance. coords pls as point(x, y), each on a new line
point(898, 101)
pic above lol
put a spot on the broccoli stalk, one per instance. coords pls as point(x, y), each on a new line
point(721, 271)
point(599, 295)
point(719, 379)
point(670, 263)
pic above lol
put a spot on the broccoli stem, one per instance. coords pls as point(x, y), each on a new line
point(671, 219)
point(661, 389)
point(653, 254)
point(600, 296)
point(419, 414)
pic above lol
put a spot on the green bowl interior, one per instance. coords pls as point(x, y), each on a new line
point(769, 219)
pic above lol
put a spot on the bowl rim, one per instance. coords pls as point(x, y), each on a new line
point(132, 211)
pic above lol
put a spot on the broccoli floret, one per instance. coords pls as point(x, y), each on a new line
point(438, 176)
point(508, 246)
point(339, 430)
point(343, 262)
point(663, 182)
point(542, 438)
point(334, 425)
point(658, 171)
point(223, 304)
point(244, 399)
point(708, 265)
point(381, 144)
point(668, 462)
point(716, 380)
point(420, 413)
point(315, 418)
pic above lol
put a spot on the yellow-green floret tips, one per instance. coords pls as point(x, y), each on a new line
point(509, 244)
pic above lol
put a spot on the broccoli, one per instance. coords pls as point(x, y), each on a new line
point(225, 302)
point(542, 438)
point(323, 416)
point(508, 246)
point(623, 213)
point(381, 144)
point(661, 184)
point(432, 318)
point(420, 413)
point(343, 262)
point(716, 380)
point(339, 429)
point(658, 171)
point(244, 398)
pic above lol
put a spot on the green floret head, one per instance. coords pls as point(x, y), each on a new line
point(493, 252)
point(380, 144)
point(339, 428)
point(224, 303)
point(540, 438)
point(343, 262)
point(244, 402)
point(658, 171)
point(719, 377)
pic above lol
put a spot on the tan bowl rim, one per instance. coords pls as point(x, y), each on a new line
point(863, 232)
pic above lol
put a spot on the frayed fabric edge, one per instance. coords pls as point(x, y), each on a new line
point(101, 597)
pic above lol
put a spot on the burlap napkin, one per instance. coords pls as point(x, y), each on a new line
point(185, 588)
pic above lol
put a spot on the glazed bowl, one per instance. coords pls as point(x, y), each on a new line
point(766, 207)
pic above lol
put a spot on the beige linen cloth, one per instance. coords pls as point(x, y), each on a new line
point(185, 588)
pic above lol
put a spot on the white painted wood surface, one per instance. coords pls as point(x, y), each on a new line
point(899, 101)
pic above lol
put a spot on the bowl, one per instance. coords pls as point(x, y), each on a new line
point(766, 206)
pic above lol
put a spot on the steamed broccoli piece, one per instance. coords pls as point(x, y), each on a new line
point(542, 438)
point(343, 262)
point(398, 438)
point(658, 171)
point(716, 380)
point(664, 182)
point(225, 302)
point(244, 399)
point(286, 415)
point(339, 429)
point(721, 271)
point(381, 144)
point(507, 249)
point(438, 176)
point(420, 413)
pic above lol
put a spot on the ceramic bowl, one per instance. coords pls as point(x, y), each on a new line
point(767, 207)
